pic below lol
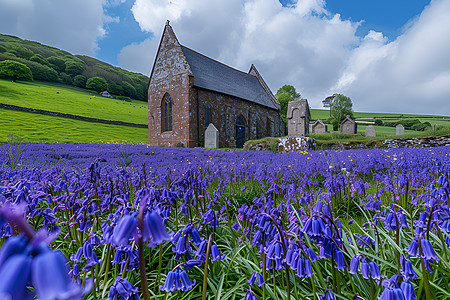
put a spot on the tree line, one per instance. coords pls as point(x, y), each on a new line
point(27, 60)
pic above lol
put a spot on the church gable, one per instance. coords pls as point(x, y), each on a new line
point(170, 60)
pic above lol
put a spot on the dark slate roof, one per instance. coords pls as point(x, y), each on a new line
point(215, 76)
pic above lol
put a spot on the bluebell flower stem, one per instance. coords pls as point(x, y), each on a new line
point(142, 272)
point(159, 266)
point(264, 274)
point(288, 285)
point(107, 263)
point(397, 241)
point(94, 273)
point(205, 275)
point(426, 284)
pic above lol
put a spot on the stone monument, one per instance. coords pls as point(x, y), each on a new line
point(399, 130)
point(298, 116)
point(348, 126)
point(370, 131)
point(211, 136)
point(319, 127)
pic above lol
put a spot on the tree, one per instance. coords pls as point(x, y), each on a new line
point(97, 84)
point(74, 68)
point(340, 108)
point(285, 94)
point(79, 81)
point(15, 70)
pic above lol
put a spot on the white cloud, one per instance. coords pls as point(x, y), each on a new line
point(410, 74)
point(74, 26)
point(307, 46)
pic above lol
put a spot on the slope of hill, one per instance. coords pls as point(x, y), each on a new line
point(60, 98)
point(54, 65)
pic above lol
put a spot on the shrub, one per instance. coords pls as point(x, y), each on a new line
point(65, 78)
point(15, 70)
point(79, 81)
point(97, 84)
point(115, 89)
point(378, 122)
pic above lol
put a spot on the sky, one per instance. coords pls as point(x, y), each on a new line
point(386, 55)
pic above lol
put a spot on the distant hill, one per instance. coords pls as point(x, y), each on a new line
point(54, 65)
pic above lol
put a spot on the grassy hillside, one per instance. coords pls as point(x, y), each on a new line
point(71, 100)
point(48, 129)
point(54, 65)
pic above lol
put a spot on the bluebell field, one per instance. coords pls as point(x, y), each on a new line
point(90, 221)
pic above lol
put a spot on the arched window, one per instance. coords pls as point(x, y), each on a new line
point(206, 115)
point(167, 112)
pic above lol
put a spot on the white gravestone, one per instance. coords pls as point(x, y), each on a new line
point(399, 130)
point(211, 136)
point(370, 131)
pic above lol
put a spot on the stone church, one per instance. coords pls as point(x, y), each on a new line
point(188, 90)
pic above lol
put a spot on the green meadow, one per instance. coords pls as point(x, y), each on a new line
point(49, 129)
point(67, 99)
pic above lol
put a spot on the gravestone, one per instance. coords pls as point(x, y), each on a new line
point(370, 131)
point(298, 116)
point(319, 127)
point(211, 136)
point(348, 126)
point(399, 130)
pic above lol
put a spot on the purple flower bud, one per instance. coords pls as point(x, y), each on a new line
point(215, 253)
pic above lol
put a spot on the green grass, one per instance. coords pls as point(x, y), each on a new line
point(71, 100)
point(48, 129)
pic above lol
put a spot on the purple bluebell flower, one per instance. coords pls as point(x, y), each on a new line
point(374, 270)
point(122, 289)
point(155, 229)
point(252, 279)
point(250, 296)
point(328, 295)
point(408, 290)
point(427, 250)
point(339, 258)
point(195, 236)
point(304, 269)
point(315, 227)
point(413, 248)
point(215, 253)
point(392, 293)
point(407, 269)
point(354, 264)
point(124, 230)
point(13, 245)
point(177, 280)
point(15, 274)
point(191, 263)
point(50, 277)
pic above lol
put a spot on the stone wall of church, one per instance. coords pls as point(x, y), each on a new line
point(224, 111)
point(171, 74)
